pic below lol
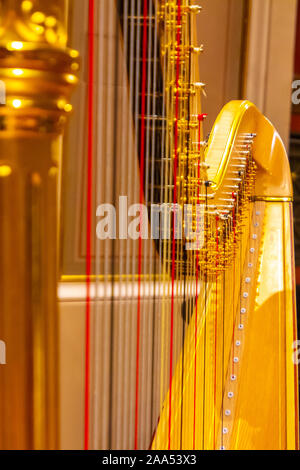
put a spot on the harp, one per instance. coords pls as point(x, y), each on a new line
point(187, 304)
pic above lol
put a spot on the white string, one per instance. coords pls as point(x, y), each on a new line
point(96, 397)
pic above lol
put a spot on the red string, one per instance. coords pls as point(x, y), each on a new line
point(216, 326)
point(142, 161)
point(178, 40)
point(201, 118)
point(89, 218)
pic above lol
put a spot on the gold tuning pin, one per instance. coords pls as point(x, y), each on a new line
point(204, 165)
point(199, 86)
point(197, 49)
point(194, 9)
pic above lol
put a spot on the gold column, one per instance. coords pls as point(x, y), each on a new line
point(38, 73)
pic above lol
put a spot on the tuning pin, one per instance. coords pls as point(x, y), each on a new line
point(197, 49)
point(201, 117)
point(201, 86)
point(194, 9)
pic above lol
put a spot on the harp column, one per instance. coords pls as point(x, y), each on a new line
point(37, 73)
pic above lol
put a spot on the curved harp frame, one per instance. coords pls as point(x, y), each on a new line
point(243, 418)
point(239, 118)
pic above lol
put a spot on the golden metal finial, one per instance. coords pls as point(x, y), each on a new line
point(37, 71)
point(37, 68)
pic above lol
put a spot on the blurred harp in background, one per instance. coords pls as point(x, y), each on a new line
point(185, 325)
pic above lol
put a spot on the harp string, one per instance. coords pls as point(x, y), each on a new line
point(175, 168)
point(96, 359)
point(216, 330)
point(197, 280)
point(207, 231)
point(89, 214)
point(223, 346)
point(166, 244)
point(116, 381)
point(147, 261)
point(155, 92)
point(195, 308)
point(141, 198)
point(183, 267)
point(113, 121)
point(161, 245)
point(133, 36)
point(152, 135)
point(125, 188)
point(183, 257)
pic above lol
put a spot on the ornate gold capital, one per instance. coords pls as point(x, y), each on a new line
point(37, 69)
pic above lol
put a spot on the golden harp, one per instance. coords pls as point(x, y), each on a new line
point(187, 304)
